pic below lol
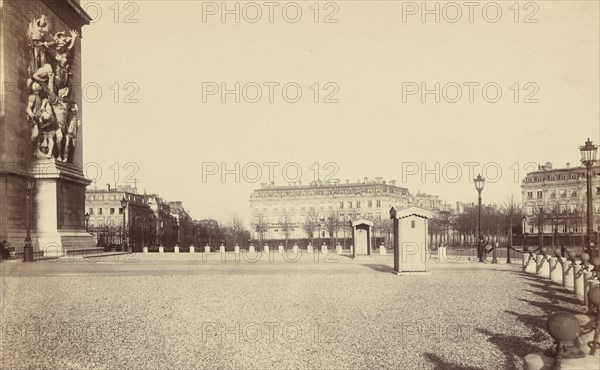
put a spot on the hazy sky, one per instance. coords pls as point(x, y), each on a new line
point(373, 58)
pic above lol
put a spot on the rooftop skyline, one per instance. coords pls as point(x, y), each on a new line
point(166, 116)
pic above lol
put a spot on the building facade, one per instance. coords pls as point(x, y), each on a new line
point(555, 200)
point(149, 221)
point(279, 212)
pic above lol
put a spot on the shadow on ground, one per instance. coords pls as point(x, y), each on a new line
point(378, 267)
point(441, 364)
point(548, 297)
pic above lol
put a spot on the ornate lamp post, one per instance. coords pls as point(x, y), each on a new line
point(588, 158)
point(124, 208)
point(479, 181)
point(28, 248)
point(87, 221)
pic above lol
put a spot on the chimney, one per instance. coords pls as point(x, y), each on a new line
point(108, 186)
point(393, 182)
point(366, 179)
point(568, 164)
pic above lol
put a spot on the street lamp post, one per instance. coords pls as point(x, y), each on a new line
point(87, 221)
point(124, 207)
point(588, 158)
point(28, 248)
point(479, 182)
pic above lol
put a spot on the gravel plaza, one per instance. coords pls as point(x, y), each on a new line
point(150, 311)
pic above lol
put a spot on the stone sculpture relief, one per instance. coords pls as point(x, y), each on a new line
point(51, 112)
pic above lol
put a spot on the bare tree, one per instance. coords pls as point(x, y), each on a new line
point(311, 223)
point(332, 225)
point(261, 226)
point(235, 226)
point(286, 226)
point(512, 213)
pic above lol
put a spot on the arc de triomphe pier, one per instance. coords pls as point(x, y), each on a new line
point(41, 125)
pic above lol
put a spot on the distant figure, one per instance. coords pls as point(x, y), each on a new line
point(563, 250)
point(4, 254)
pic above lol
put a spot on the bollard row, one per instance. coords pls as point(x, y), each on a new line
point(576, 337)
point(252, 249)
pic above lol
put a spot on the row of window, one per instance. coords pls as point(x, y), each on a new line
point(356, 191)
point(563, 194)
point(358, 204)
point(111, 211)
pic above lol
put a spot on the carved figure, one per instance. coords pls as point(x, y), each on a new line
point(51, 114)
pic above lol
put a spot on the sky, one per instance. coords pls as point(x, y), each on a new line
point(346, 89)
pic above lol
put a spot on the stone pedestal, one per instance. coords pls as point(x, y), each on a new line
point(236, 249)
point(161, 249)
point(251, 249)
point(540, 361)
point(145, 250)
point(192, 249)
point(324, 249)
point(222, 249)
point(58, 208)
point(309, 249)
point(542, 266)
point(556, 271)
point(206, 249)
point(529, 263)
point(176, 249)
point(295, 249)
point(382, 251)
point(579, 285)
point(589, 281)
point(281, 248)
point(568, 275)
point(442, 253)
point(266, 249)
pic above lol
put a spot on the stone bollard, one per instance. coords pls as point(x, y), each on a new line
point(579, 285)
point(338, 249)
point(222, 249)
point(588, 282)
point(556, 270)
point(309, 249)
point(442, 253)
point(529, 263)
point(145, 249)
point(252, 249)
point(542, 268)
point(546, 361)
point(266, 248)
point(382, 251)
point(281, 248)
point(324, 248)
point(161, 249)
point(176, 249)
point(206, 249)
point(192, 249)
point(568, 275)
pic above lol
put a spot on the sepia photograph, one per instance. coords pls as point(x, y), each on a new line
point(304, 184)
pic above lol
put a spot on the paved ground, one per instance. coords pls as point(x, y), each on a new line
point(154, 311)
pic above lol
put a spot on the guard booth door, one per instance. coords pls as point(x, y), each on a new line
point(361, 239)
